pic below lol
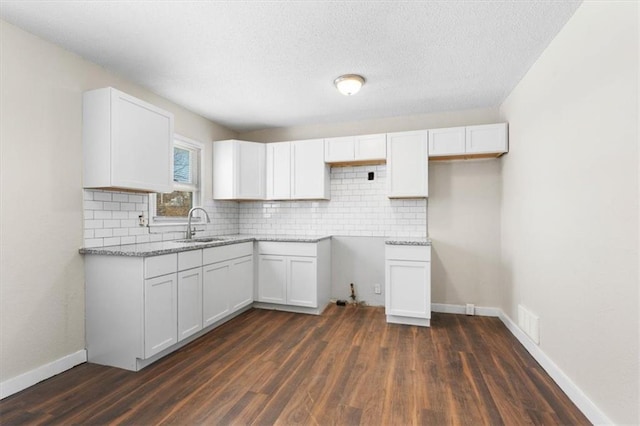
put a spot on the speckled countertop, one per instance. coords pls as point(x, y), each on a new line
point(408, 241)
point(166, 247)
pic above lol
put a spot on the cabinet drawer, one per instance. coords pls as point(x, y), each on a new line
point(160, 265)
point(189, 259)
point(287, 249)
point(231, 251)
point(415, 253)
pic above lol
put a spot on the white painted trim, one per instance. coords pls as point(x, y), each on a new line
point(30, 378)
point(575, 394)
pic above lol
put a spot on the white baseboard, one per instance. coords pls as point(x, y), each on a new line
point(575, 394)
point(30, 378)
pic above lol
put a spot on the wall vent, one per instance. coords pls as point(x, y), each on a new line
point(529, 323)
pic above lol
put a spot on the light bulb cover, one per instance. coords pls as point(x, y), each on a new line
point(349, 84)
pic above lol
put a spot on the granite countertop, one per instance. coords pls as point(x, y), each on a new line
point(402, 241)
point(166, 247)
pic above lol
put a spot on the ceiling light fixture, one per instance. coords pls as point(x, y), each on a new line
point(349, 84)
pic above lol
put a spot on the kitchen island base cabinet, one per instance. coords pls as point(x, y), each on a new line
point(294, 277)
point(408, 284)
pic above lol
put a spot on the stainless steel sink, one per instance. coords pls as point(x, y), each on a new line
point(200, 240)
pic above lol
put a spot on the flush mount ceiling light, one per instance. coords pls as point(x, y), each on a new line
point(349, 84)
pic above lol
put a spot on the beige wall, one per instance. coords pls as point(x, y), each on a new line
point(570, 204)
point(464, 226)
point(42, 280)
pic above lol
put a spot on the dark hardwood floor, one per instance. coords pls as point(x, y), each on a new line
point(345, 367)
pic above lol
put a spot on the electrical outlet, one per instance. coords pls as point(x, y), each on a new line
point(142, 221)
point(471, 308)
point(376, 289)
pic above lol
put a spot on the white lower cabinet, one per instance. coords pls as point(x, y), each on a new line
point(141, 308)
point(302, 282)
point(215, 305)
point(160, 313)
point(272, 279)
point(294, 276)
point(227, 283)
point(241, 293)
point(408, 284)
point(189, 302)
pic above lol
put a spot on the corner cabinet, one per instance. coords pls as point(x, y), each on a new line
point(238, 170)
point(407, 165)
point(408, 284)
point(127, 143)
point(483, 141)
point(294, 276)
point(139, 309)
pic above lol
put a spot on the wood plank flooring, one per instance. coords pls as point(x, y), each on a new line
point(346, 367)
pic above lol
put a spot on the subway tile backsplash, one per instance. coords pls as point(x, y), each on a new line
point(358, 207)
point(111, 218)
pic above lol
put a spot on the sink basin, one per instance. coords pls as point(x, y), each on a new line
point(200, 240)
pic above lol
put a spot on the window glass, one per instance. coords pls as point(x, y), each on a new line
point(182, 165)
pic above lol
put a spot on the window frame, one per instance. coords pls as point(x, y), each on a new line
point(197, 187)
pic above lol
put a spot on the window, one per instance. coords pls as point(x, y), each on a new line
point(173, 207)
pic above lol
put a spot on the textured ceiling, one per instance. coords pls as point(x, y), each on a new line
point(257, 64)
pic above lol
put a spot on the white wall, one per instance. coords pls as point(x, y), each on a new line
point(42, 280)
point(570, 204)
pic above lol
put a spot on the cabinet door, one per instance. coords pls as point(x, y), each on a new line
point(241, 285)
point(272, 278)
point(490, 138)
point(310, 178)
point(160, 314)
point(302, 282)
point(339, 150)
point(250, 173)
point(278, 171)
point(407, 165)
point(408, 289)
point(215, 295)
point(370, 147)
point(189, 302)
point(141, 145)
point(444, 142)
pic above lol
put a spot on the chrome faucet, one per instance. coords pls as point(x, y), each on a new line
point(192, 232)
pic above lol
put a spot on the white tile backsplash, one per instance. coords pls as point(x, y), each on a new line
point(358, 207)
point(111, 218)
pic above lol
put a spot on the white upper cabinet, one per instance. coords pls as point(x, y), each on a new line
point(447, 141)
point(489, 140)
point(353, 149)
point(407, 165)
point(238, 170)
point(309, 173)
point(278, 171)
point(127, 143)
